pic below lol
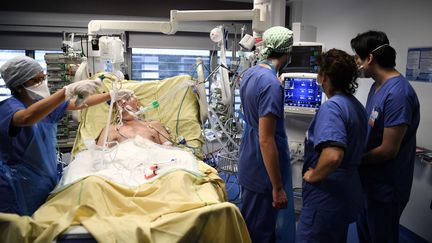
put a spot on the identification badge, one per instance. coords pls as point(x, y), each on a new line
point(373, 116)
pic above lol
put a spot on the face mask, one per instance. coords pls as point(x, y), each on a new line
point(379, 47)
point(361, 72)
point(39, 91)
point(320, 85)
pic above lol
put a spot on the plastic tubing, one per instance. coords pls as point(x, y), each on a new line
point(167, 97)
point(115, 89)
point(223, 130)
point(108, 125)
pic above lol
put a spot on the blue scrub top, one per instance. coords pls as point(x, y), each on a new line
point(341, 121)
point(30, 154)
point(395, 103)
point(261, 93)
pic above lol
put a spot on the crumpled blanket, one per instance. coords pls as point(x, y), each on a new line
point(130, 163)
point(179, 206)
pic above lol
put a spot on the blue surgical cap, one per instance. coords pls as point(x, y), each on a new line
point(19, 70)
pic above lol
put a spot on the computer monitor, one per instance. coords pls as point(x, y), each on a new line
point(304, 58)
point(302, 93)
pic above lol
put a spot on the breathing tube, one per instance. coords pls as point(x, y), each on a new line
point(116, 85)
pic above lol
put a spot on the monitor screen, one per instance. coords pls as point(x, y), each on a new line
point(302, 92)
point(304, 59)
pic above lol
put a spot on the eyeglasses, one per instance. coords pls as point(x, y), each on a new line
point(36, 81)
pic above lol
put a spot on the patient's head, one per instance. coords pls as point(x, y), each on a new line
point(128, 105)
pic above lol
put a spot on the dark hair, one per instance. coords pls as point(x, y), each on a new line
point(276, 54)
point(340, 68)
point(14, 91)
point(372, 42)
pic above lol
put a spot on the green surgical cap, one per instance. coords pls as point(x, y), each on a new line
point(277, 39)
point(19, 70)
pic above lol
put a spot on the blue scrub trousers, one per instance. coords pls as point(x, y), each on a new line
point(321, 225)
point(378, 221)
point(260, 216)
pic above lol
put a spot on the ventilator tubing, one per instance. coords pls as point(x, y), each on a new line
point(166, 98)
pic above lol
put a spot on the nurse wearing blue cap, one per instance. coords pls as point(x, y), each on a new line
point(28, 163)
point(388, 164)
point(333, 150)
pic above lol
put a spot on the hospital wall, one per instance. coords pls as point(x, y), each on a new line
point(407, 24)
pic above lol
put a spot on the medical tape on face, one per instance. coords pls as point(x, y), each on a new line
point(129, 110)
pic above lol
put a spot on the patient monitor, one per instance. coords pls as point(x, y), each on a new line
point(303, 96)
point(302, 93)
point(304, 57)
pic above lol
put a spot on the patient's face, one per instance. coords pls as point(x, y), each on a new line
point(130, 104)
point(129, 107)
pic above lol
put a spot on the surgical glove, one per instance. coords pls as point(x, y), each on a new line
point(81, 88)
point(121, 94)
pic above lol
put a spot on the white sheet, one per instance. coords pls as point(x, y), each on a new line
point(128, 163)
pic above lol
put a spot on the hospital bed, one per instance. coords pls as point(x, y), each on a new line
point(179, 206)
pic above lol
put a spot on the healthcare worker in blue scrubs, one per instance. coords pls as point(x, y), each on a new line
point(394, 114)
point(28, 162)
point(336, 138)
point(264, 163)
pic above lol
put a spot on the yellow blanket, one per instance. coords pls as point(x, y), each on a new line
point(179, 207)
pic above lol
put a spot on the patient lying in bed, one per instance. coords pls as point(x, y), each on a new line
point(131, 126)
point(106, 191)
point(139, 157)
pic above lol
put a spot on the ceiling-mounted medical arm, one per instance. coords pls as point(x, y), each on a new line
point(253, 15)
point(98, 26)
point(171, 27)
